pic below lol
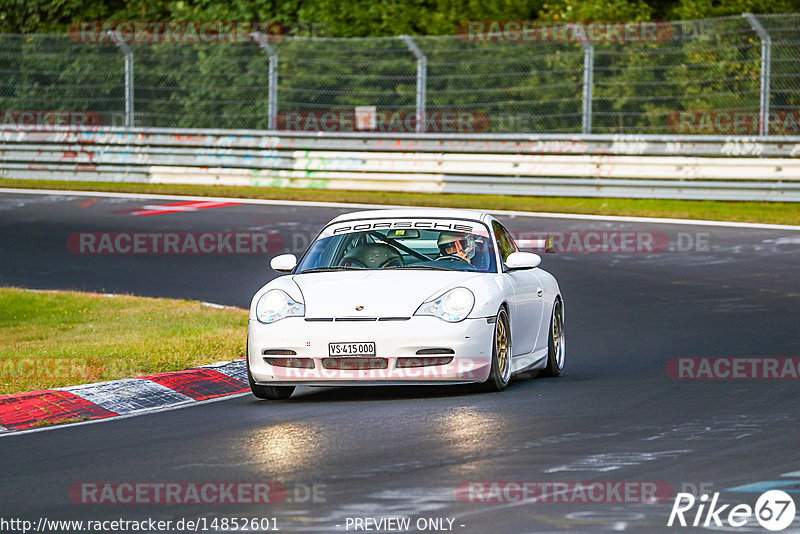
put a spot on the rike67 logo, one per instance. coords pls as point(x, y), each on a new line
point(774, 510)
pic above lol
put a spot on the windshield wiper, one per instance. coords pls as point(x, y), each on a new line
point(332, 268)
point(427, 267)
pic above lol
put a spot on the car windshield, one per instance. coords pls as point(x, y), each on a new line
point(399, 245)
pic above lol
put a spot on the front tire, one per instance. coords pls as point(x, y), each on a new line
point(555, 342)
point(266, 392)
point(500, 374)
point(269, 392)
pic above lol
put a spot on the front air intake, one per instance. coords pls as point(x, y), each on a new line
point(279, 352)
point(403, 363)
point(436, 351)
point(292, 363)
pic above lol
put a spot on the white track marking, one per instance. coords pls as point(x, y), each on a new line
point(578, 216)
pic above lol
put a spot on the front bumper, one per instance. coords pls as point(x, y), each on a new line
point(470, 340)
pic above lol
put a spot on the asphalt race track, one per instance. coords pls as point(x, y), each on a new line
point(615, 415)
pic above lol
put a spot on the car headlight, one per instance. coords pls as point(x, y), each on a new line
point(453, 306)
point(275, 304)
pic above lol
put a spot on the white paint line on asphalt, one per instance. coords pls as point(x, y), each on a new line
point(311, 204)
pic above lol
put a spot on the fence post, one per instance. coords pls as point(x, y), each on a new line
point(126, 50)
point(588, 76)
point(766, 64)
point(272, 91)
point(422, 81)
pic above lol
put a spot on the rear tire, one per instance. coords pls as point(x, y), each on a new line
point(555, 342)
point(500, 374)
point(266, 392)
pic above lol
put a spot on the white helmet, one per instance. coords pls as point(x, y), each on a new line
point(465, 242)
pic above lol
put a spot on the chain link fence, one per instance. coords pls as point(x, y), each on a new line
point(699, 78)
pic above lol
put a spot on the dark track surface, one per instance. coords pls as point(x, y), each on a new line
point(615, 414)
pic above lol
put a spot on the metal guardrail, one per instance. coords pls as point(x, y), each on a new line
point(642, 166)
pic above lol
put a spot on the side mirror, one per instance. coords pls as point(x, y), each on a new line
point(283, 263)
point(523, 260)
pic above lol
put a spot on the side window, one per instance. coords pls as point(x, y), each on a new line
point(504, 240)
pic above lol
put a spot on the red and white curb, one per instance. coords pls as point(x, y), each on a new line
point(24, 411)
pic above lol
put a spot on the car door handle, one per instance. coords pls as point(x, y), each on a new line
point(539, 291)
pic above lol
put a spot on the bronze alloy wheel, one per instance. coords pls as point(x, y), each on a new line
point(500, 372)
point(556, 351)
point(558, 336)
point(501, 347)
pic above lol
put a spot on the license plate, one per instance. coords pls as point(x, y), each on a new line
point(363, 348)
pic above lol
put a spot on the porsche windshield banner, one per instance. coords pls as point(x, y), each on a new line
point(436, 225)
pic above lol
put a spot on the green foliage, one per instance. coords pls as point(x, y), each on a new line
point(574, 10)
point(359, 18)
point(530, 86)
point(694, 9)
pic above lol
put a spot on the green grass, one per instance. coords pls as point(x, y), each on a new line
point(56, 339)
point(50, 422)
point(756, 212)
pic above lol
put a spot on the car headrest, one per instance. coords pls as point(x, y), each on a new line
point(374, 255)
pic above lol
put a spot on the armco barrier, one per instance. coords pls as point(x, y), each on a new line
point(687, 167)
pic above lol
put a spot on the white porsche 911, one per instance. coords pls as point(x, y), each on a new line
point(405, 296)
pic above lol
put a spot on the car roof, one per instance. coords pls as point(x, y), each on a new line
point(472, 215)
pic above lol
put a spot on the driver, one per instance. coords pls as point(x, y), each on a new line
point(456, 244)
